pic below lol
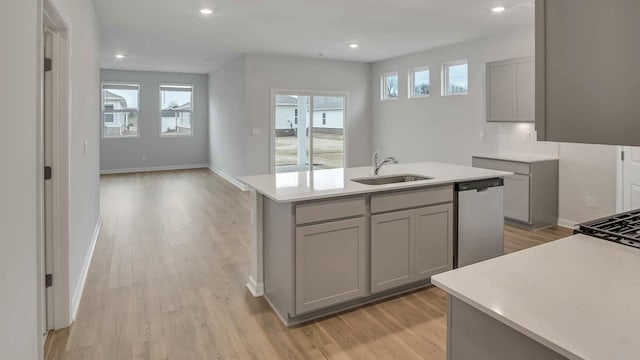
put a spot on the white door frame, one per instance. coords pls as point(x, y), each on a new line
point(51, 18)
point(310, 93)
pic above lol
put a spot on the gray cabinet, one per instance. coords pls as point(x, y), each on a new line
point(510, 90)
point(531, 194)
point(410, 245)
point(330, 263)
point(433, 241)
point(587, 88)
point(391, 242)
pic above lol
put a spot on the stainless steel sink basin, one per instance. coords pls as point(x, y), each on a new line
point(390, 179)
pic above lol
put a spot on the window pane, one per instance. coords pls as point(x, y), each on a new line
point(421, 83)
point(457, 77)
point(390, 86)
point(120, 110)
point(292, 133)
point(175, 108)
point(328, 132)
point(120, 124)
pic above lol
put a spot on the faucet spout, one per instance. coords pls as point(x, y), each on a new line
point(376, 165)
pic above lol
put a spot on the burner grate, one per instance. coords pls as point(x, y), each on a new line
point(623, 228)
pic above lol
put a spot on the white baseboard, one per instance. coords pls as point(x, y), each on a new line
point(256, 289)
point(569, 224)
point(77, 294)
point(154, 168)
point(235, 182)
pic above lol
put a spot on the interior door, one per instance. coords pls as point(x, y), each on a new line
point(631, 178)
point(308, 129)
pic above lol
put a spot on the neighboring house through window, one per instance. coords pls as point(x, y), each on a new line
point(176, 109)
point(120, 110)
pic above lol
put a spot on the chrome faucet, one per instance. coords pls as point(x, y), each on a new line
point(377, 165)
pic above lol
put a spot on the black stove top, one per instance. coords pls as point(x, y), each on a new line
point(622, 228)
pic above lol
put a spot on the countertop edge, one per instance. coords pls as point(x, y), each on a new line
point(504, 320)
point(376, 188)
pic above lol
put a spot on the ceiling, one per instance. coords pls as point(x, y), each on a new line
point(171, 35)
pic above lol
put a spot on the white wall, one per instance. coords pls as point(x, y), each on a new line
point(227, 117)
point(19, 332)
point(84, 201)
point(150, 150)
point(452, 129)
point(19, 304)
point(240, 101)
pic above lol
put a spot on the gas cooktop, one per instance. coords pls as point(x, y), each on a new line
point(622, 228)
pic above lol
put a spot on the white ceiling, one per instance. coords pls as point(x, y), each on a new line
point(171, 35)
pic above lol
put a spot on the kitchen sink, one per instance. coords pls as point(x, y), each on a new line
point(390, 179)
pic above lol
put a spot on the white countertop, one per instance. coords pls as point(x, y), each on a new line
point(525, 158)
point(318, 184)
point(579, 296)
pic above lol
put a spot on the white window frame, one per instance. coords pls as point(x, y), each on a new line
point(412, 80)
point(445, 77)
point(121, 83)
point(311, 93)
point(191, 111)
point(383, 86)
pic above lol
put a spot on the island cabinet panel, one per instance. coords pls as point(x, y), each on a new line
point(410, 245)
point(391, 242)
point(330, 263)
point(471, 334)
point(433, 241)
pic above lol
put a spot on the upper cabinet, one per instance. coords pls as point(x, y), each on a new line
point(587, 82)
point(511, 90)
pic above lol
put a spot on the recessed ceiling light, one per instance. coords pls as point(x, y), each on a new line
point(353, 45)
point(206, 11)
point(119, 56)
point(498, 9)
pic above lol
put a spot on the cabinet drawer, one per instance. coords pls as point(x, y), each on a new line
point(329, 210)
point(411, 198)
point(501, 165)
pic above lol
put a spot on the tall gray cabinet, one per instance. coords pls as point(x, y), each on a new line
point(587, 87)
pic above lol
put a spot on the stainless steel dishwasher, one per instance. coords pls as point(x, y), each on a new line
point(479, 221)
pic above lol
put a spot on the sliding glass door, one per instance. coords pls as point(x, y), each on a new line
point(308, 128)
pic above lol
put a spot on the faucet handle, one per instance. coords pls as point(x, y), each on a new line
point(374, 160)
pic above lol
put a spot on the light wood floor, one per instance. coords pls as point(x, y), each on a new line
point(167, 281)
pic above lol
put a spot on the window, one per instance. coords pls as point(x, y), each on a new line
point(176, 108)
point(389, 84)
point(455, 78)
point(120, 110)
point(324, 118)
point(419, 84)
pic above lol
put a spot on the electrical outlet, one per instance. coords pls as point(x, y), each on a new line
point(482, 135)
point(144, 157)
point(526, 138)
point(591, 202)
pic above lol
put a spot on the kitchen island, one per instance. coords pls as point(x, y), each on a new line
point(323, 241)
point(572, 298)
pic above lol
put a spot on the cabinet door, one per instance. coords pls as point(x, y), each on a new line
point(524, 102)
point(500, 91)
point(330, 263)
point(391, 236)
point(516, 197)
point(433, 241)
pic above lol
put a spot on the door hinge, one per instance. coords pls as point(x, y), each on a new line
point(47, 64)
point(48, 280)
point(47, 172)
point(622, 155)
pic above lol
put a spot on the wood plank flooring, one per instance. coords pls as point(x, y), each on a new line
point(167, 281)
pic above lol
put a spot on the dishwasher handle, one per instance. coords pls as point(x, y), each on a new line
point(480, 185)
